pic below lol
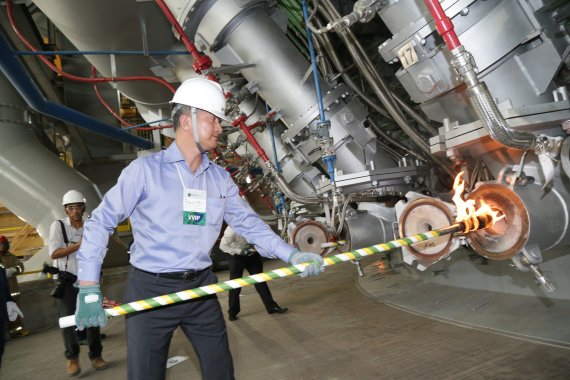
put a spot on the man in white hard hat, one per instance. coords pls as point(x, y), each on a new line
point(64, 241)
point(177, 200)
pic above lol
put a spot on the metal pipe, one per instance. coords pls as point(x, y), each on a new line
point(313, 62)
point(376, 83)
point(350, 83)
point(478, 93)
point(496, 125)
point(443, 24)
point(17, 75)
point(284, 186)
point(379, 130)
point(240, 122)
point(201, 61)
point(76, 78)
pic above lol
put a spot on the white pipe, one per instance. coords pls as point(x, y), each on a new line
point(33, 178)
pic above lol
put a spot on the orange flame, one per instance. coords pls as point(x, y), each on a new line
point(466, 209)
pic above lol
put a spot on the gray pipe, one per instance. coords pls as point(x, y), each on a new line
point(376, 84)
point(485, 106)
point(392, 141)
point(496, 125)
point(348, 80)
point(33, 178)
point(284, 187)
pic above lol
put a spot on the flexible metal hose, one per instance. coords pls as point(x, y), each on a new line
point(284, 187)
point(496, 125)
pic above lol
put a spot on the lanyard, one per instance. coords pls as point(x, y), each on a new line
point(194, 203)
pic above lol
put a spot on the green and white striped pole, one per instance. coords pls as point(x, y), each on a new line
point(169, 299)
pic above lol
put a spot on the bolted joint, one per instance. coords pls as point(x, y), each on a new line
point(327, 147)
point(549, 145)
point(462, 61)
point(237, 120)
point(202, 63)
point(323, 129)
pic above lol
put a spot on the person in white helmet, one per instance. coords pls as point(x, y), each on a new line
point(64, 241)
point(177, 200)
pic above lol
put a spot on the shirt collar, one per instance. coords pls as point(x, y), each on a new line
point(173, 155)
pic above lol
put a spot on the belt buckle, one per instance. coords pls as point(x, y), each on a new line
point(189, 274)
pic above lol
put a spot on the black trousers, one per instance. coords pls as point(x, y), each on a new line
point(149, 332)
point(66, 306)
point(254, 265)
point(2, 323)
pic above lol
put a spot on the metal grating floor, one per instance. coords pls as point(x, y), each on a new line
point(332, 331)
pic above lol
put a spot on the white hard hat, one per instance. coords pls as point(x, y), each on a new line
point(202, 93)
point(72, 196)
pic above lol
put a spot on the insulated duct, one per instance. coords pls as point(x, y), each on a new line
point(33, 178)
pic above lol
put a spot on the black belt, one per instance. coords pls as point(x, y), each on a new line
point(189, 274)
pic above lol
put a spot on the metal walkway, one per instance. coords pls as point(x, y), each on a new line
point(332, 331)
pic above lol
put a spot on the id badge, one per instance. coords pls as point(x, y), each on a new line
point(194, 207)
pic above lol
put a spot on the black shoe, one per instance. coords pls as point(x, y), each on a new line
point(233, 317)
point(278, 310)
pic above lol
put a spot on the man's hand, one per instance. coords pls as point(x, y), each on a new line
point(10, 272)
point(89, 311)
point(13, 311)
point(316, 262)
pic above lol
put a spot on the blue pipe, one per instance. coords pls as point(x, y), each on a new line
point(313, 62)
point(15, 72)
point(103, 52)
point(329, 160)
point(143, 124)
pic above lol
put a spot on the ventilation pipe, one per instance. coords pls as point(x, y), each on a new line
point(27, 173)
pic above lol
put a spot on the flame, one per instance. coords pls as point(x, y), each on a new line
point(466, 210)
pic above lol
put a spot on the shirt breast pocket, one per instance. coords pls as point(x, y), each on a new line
point(215, 210)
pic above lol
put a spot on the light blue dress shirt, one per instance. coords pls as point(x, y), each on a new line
point(150, 192)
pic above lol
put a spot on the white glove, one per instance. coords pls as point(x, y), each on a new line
point(316, 262)
point(10, 272)
point(13, 311)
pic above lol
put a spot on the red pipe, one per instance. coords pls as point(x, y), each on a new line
point(74, 77)
point(443, 24)
point(240, 121)
point(104, 103)
point(201, 61)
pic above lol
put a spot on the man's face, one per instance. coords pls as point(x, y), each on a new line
point(75, 211)
point(3, 247)
point(209, 129)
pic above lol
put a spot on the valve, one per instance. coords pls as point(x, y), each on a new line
point(527, 261)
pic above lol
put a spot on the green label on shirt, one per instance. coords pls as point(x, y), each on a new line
point(194, 218)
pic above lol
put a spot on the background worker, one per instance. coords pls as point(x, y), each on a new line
point(9, 311)
point(64, 241)
point(177, 200)
point(13, 266)
point(244, 255)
